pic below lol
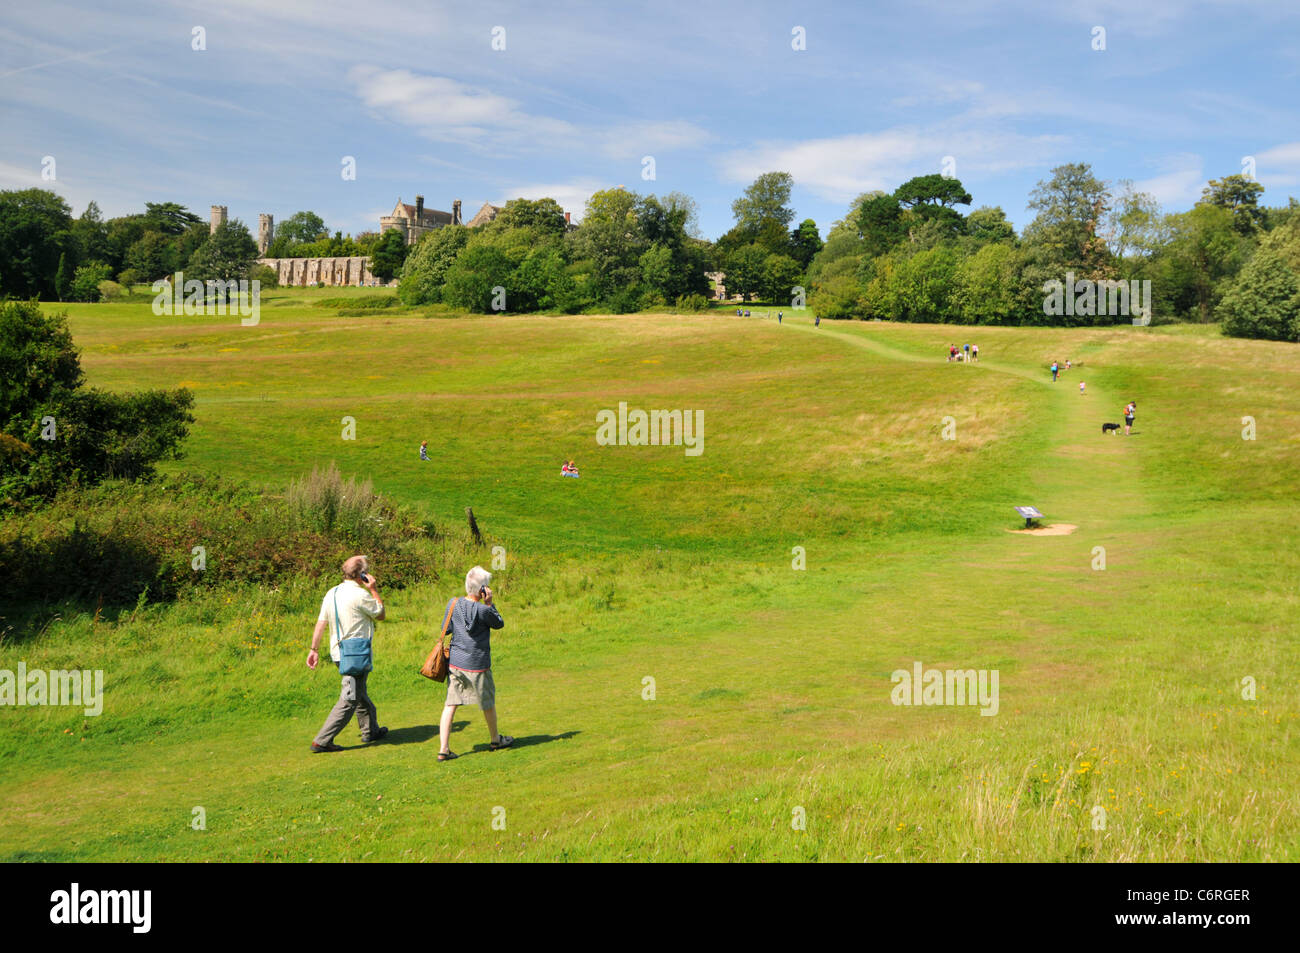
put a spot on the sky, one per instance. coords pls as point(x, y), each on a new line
point(486, 101)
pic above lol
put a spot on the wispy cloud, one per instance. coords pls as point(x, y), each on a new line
point(1180, 184)
point(1279, 166)
point(841, 167)
point(572, 195)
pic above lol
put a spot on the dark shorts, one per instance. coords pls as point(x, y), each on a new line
point(1129, 421)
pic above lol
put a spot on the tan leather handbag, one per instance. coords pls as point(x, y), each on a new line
point(435, 666)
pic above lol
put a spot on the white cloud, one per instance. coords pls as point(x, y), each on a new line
point(840, 168)
point(571, 195)
point(1279, 166)
point(445, 109)
point(632, 140)
point(1181, 185)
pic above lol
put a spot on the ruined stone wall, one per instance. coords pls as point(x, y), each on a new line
point(301, 272)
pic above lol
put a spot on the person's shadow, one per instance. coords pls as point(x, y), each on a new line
point(417, 734)
point(527, 741)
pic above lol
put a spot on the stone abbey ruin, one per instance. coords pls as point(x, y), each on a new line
point(413, 221)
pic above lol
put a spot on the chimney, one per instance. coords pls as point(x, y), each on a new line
point(567, 218)
point(455, 212)
point(419, 210)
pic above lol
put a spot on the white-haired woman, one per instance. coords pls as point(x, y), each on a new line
point(469, 670)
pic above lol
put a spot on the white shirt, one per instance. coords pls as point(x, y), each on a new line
point(357, 609)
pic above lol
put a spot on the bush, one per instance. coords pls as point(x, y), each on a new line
point(103, 548)
point(110, 291)
point(692, 302)
point(265, 276)
point(97, 434)
point(471, 280)
point(128, 277)
point(624, 301)
point(86, 279)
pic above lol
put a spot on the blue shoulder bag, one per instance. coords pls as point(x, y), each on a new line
point(354, 654)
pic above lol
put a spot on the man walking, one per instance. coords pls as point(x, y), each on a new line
point(1056, 369)
point(1130, 412)
point(349, 611)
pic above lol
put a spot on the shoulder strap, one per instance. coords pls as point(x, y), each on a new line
point(446, 623)
point(338, 625)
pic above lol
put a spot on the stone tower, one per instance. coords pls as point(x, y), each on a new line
point(218, 218)
point(265, 231)
point(455, 212)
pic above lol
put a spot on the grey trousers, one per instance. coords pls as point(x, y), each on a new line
point(352, 698)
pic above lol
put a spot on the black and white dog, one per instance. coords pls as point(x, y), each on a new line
point(1109, 428)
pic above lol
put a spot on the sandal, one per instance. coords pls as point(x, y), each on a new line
point(505, 742)
point(447, 755)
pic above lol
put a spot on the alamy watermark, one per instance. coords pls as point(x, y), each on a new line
point(655, 428)
point(132, 908)
point(946, 687)
point(1088, 297)
point(56, 687)
point(176, 296)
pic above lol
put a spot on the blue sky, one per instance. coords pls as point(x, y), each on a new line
point(261, 119)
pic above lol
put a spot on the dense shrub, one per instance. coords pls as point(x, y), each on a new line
point(86, 281)
point(265, 276)
point(61, 432)
point(104, 548)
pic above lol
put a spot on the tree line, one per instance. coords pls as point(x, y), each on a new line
point(912, 255)
point(908, 255)
point(47, 254)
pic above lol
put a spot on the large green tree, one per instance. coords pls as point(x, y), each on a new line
point(472, 280)
point(1071, 206)
point(389, 255)
point(1263, 301)
point(427, 263)
point(301, 228)
point(154, 256)
point(879, 220)
point(35, 229)
point(766, 199)
point(544, 215)
point(611, 241)
point(1205, 251)
point(1240, 196)
point(930, 198)
point(170, 218)
point(228, 255)
point(805, 242)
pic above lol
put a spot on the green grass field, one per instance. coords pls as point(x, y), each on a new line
point(1120, 688)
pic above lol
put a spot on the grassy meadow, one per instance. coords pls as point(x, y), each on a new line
point(1121, 687)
